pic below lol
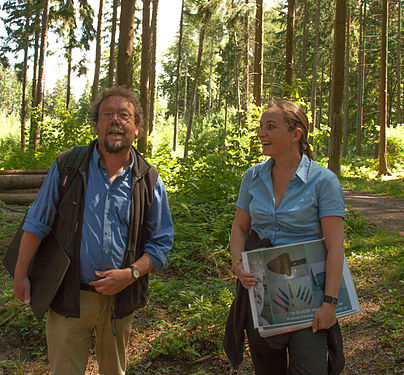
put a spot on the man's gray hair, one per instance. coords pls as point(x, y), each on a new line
point(122, 91)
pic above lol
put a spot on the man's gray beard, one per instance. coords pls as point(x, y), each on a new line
point(116, 147)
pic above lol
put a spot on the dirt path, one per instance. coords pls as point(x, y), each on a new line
point(381, 210)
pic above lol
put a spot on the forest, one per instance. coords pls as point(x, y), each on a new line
point(340, 60)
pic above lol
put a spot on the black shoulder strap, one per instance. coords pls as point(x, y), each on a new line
point(69, 162)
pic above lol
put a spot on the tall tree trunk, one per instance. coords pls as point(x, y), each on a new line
point(258, 53)
point(96, 80)
point(125, 44)
point(337, 88)
point(69, 66)
point(195, 87)
point(246, 62)
point(346, 83)
point(320, 107)
point(153, 82)
point(399, 110)
point(236, 75)
point(111, 67)
point(306, 26)
point(35, 123)
point(382, 116)
point(313, 104)
point(185, 92)
point(24, 78)
point(361, 78)
point(177, 81)
point(290, 42)
point(37, 32)
point(210, 84)
point(145, 76)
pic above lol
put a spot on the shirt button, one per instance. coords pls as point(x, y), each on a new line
point(107, 212)
point(109, 193)
point(107, 231)
point(106, 252)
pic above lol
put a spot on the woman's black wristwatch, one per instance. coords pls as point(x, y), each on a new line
point(329, 299)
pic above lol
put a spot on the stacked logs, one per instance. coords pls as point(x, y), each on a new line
point(20, 186)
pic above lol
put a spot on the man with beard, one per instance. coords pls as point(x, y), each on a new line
point(115, 225)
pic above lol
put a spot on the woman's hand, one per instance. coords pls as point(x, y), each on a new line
point(324, 317)
point(247, 279)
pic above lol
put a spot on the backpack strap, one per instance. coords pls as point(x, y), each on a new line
point(69, 162)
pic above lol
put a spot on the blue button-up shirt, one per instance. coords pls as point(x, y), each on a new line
point(313, 193)
point(105, 219)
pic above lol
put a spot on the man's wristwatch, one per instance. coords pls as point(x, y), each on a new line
point(329, 299)
point(135, 272)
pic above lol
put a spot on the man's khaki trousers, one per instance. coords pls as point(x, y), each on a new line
point(69, 339)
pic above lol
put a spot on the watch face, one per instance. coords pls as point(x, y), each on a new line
point(135, 273)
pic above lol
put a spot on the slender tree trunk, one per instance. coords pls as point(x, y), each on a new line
point(259, 53)
point(195, 87)
point(246, 72)
point(346, 83)
point(320, 107)
point(306, 26)
point(210, 84)
point(361, 78)
point(24, 78)
point(125, 44)
point(40, 83)
point(382, 116)
point(111, 67)
point(37, 32)
point(337, 89)
point(69, 67)
point(185, 91)
point(290, 42)
point(398, 101)
point(153, 82)
point(236, 75)
point(225, 126)
point(96, 80)
point(145, 76)
point(313, 104)
point(177, 81)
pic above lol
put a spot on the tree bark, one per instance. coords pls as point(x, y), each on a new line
point(337, 88)
point(290, 42)
point(246, 71)
point(346, 83)
point(258, 53)
point(306, 26)
point(153, 82)
point(382, 115)
point(145, 77)
point(40, 83)
point(313, 103)
point(361, 78)
point(125, 44)
point(10, 182)
point(195, 87)
point(399, 110)
point(111, 67)
point(236, 75)
point(178, 76)
point(24, 78)
point(96, 80)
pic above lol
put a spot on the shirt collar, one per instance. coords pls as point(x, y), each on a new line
point(301, 171)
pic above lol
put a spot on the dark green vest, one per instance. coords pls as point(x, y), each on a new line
point(67, 229)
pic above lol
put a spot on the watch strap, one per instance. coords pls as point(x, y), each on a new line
point(329, 299)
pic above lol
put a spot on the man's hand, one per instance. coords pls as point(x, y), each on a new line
point(324, 317)
point(113, 281)
point(22, 289)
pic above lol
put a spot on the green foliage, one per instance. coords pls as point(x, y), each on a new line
point(65, 130)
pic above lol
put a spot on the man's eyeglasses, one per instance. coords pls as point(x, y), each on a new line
point(123, 116)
